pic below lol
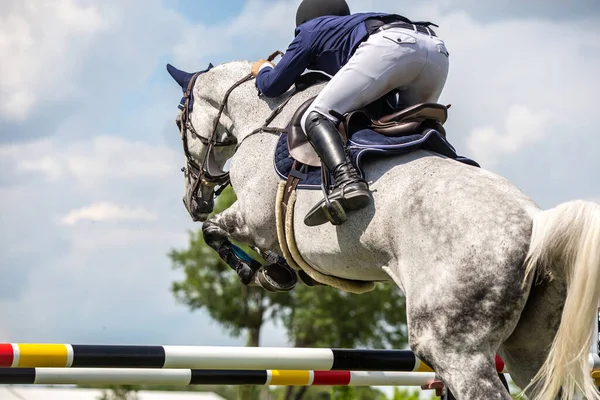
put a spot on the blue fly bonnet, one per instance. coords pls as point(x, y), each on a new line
point(186, 80)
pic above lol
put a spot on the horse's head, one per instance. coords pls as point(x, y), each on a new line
point(208, 140)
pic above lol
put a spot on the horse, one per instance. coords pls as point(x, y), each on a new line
point(484, 270)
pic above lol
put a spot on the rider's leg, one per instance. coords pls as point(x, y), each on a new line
point(350, 190)
point(397, 58)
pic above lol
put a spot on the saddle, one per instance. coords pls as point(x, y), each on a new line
point(376, 130)
point(405, 122)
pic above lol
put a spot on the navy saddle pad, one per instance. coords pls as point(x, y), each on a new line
point(368, 142)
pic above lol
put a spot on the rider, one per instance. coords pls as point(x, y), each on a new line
point(368, 55)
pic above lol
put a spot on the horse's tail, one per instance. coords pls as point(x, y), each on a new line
point(565, 244)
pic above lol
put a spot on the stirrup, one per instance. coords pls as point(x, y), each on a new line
point(326, 210)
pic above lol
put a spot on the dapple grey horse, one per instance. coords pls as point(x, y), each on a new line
point(483, 269)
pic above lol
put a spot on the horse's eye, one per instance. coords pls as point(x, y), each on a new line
point(183, 169)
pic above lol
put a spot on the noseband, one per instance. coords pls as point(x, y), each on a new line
point(200, 172)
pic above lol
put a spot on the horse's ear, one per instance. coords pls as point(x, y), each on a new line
point(181, 77)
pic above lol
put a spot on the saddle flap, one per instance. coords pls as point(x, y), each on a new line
point(298, 144)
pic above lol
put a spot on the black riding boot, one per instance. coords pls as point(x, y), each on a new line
point(350, 191)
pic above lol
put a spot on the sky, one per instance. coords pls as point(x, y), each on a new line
point(90, 157)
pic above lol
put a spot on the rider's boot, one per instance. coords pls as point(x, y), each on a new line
point(350, 191)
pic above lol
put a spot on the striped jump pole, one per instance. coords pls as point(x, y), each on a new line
point(184, 377)
point(14, 355)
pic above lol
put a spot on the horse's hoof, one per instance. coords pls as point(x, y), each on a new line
point(276, 278)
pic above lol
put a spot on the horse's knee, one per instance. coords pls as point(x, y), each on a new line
point(213, 235)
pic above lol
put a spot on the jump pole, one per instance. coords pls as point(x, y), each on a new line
point(44, 359)
point(17, 355)
point(184, 377)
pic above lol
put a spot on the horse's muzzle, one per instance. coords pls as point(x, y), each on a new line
point(199, 208)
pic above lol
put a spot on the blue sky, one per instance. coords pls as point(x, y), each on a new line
point(90, 187)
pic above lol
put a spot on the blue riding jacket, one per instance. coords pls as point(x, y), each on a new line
point(322, 44)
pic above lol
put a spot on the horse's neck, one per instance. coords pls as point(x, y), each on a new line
point(248, 111)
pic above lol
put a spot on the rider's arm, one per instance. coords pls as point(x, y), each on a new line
point(275, 81)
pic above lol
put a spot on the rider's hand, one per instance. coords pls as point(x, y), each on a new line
point(257, 65)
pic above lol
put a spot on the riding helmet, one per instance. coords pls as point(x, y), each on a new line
point(310, 9)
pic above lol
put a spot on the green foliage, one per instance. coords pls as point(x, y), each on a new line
point(406, 394)
point(326, 317)
point(327, 393)
point(116, 392)
point(129, 392)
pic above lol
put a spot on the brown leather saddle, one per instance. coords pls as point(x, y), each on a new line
point(408, 121)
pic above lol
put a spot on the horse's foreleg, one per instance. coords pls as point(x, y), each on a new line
point(218, 230)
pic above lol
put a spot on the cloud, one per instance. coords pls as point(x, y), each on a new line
point(523, 127)
point(91, 161)
point(73, 63)
point(113, 286)
point(107, 212)
point(42, 41)
point(241, 38)
point(5, 336)
point(515, 9)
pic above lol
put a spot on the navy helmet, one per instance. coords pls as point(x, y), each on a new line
point(310, 9)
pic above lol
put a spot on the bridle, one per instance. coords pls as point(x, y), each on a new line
point(201, 173)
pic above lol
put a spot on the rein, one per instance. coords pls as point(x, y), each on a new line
point(201, 172)
point(265, 128)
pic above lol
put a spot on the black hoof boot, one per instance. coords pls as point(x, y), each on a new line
point(244, 265)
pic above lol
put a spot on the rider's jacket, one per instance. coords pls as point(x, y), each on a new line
point(322, 44)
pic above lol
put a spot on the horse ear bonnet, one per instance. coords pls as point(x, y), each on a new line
point(310, 9)
point(183, 79)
